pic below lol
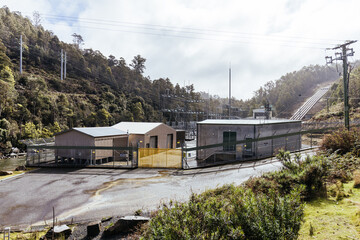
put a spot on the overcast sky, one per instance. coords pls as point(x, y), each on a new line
point(194, 41)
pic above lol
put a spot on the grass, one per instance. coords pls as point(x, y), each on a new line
point(331, 219)
point(26, 236)
point(16, 173)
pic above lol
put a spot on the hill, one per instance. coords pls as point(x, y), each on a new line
point(292, 89)
point(97, 91)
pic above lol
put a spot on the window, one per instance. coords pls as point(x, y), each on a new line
point(229, 137)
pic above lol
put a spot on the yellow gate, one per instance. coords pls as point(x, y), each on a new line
point(160, 158)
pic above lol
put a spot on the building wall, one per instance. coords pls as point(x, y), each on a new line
point(134, 139)
point(74, 138)
point(213, 134)
point(103, 142)
point(161, 132)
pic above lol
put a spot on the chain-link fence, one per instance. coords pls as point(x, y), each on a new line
point(252, 149)
point(190, 156)
point(81, 156)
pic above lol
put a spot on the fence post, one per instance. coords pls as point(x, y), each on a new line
point(38, 150)
point(182, 156)
point(91, 158)
point(7, 233)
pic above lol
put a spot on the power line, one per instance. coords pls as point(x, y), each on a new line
point(254, 42)
point(164, 27)
point(194, 33)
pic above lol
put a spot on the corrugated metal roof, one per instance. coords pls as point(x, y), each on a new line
point(100, 131)
point(136, 127)
point(245, 121)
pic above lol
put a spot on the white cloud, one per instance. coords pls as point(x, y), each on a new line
point(272, 37)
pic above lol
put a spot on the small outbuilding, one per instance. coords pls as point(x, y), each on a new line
point(211, 132)
point(91, 137)
point(148, 134)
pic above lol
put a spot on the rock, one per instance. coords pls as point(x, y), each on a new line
point(5, 173)
point(20, 168)
point(93, 229)
point(60, 232)
point(15, 150)
point(125, 225)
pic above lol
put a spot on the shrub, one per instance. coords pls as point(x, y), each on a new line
point(202, 217)
point(340, 167)
point(229, 213)
point(268, 216)
point(356, 175)
point(310, 173)
point(341, 141)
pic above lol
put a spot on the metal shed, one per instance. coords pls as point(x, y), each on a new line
point(148, 134)
point(91, 136)
point(228, 131)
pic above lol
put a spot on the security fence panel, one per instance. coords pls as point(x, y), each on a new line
point(160, 158)
point(81, 156)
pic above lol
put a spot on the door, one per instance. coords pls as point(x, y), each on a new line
point(229, 137)
point(169, 141)
point(154, 142)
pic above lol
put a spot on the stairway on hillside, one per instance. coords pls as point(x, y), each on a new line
point(305, 108)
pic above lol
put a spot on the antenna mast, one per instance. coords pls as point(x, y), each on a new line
point(230, 91)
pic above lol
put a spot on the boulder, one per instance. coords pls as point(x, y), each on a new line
point(93, 229)
point(125, 225)
point(20, 168)
point(5, 173)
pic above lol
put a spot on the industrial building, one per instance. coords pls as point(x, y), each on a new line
point(220, 132)
point(92, 137)
point(121, 135)
point(148, 134)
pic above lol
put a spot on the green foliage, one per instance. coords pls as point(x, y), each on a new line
point(309, 175)
point(229, 212)
point(341, 141)
point(292, 88)
point(269, 216)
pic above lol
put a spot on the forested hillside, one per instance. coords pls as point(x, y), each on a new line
point(292, 89)
point(98, 90)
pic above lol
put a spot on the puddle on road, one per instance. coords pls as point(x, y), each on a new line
point(107, 185)
point(94, 200)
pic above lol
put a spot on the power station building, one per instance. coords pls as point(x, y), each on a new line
point(223, 132)
point(123, 134)
point(148, 134)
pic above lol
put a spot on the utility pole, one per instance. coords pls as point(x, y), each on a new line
point(345, 52)
point(62, 64)
point(230, 91)
point(21, 54)
point(65, 66)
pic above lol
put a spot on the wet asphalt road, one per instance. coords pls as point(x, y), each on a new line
point(89, 194)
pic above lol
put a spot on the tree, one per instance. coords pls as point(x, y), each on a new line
point(112, 61)
point(78, 40)
point(7, 82)
point(138, 64)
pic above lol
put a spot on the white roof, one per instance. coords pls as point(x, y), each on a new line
point(245, 121)
point(100, 131)
point(136, 127)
